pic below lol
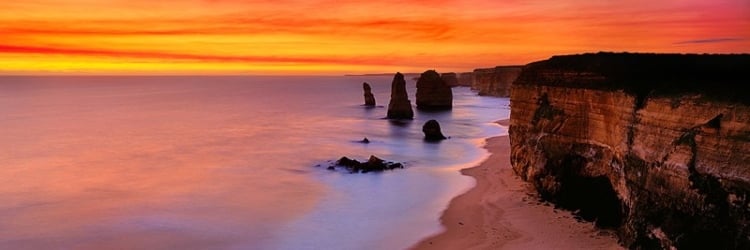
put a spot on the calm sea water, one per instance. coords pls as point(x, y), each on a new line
point(224, 163)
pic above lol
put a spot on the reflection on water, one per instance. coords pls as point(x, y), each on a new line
point(217, 162)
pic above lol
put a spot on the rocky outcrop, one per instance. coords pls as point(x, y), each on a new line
point(450, 79)
point(400, 106)
point(654, 146)
point(369, 98)
point(433, 93)
point(373, 164)
point(495, 81)
point(431, 130)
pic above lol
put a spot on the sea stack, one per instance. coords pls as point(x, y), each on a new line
point(432, 132)
point(433, 93)
point(400, 106)
point(450, 78)
point(369, 98)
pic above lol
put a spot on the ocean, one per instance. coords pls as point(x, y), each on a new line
point(225, 162)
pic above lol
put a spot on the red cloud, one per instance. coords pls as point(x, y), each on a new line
point(192, 57)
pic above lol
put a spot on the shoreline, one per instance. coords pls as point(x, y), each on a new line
point(502, 211)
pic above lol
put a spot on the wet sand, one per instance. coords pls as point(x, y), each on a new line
point(502, 211)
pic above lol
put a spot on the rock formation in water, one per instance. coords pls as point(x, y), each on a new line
point(656, 146)
point(433, 93)
point(373, 164)
point(431, 130)
point(400, 105)
point(369, 98)
point(450, 79)
point(495, 81)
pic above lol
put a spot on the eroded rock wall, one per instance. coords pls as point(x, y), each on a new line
point(450, 78)
point(465, 79)
point(674, 150)
point(495, 81)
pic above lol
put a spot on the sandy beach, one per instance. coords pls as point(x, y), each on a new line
point(502, 211)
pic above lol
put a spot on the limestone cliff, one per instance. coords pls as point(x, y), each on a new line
point(655, 146)
point(495, 81)
point(450, 79)
point(465, 79)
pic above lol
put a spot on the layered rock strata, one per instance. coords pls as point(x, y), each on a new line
point(495, 81)
point(369, 98)
point(433, 93)
point(400, 106)
point(654, 146)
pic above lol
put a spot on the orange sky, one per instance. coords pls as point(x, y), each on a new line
point(348, 36)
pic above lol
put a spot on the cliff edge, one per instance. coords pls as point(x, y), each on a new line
point(495, 81)
point(655, 146)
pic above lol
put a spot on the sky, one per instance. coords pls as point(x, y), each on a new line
point(348, 36)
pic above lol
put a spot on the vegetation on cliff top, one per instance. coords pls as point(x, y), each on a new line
point(713, 76)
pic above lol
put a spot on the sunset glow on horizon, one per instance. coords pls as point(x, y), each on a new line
point(349, 36)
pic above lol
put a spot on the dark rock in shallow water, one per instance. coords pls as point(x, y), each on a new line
point(373, 164)
point(433, 93)
point(400, 105)
point(365, 140)
point(369, 98)
point(432, 131)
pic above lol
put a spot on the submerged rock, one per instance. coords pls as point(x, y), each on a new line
point(433, 93)
point(432, 131)
point(373, 164)
point(400, 105)
point(369, 98)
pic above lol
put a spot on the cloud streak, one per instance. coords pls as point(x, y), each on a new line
point(188, 57)
point(463, 34)
point(711, 40)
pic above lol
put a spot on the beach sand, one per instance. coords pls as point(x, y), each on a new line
point(502, 211)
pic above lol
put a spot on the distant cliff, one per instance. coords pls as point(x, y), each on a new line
point(465, 79)
point(656, 146)
point(495, 81)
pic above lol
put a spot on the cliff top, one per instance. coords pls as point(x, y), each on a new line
point(714, 76)
point(493, 69)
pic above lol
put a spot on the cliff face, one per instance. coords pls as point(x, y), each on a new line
point(450, 78)
point(495, 81)
point(655, 146)
point(465, 79)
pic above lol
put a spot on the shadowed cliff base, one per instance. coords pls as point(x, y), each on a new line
point(657, 146)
